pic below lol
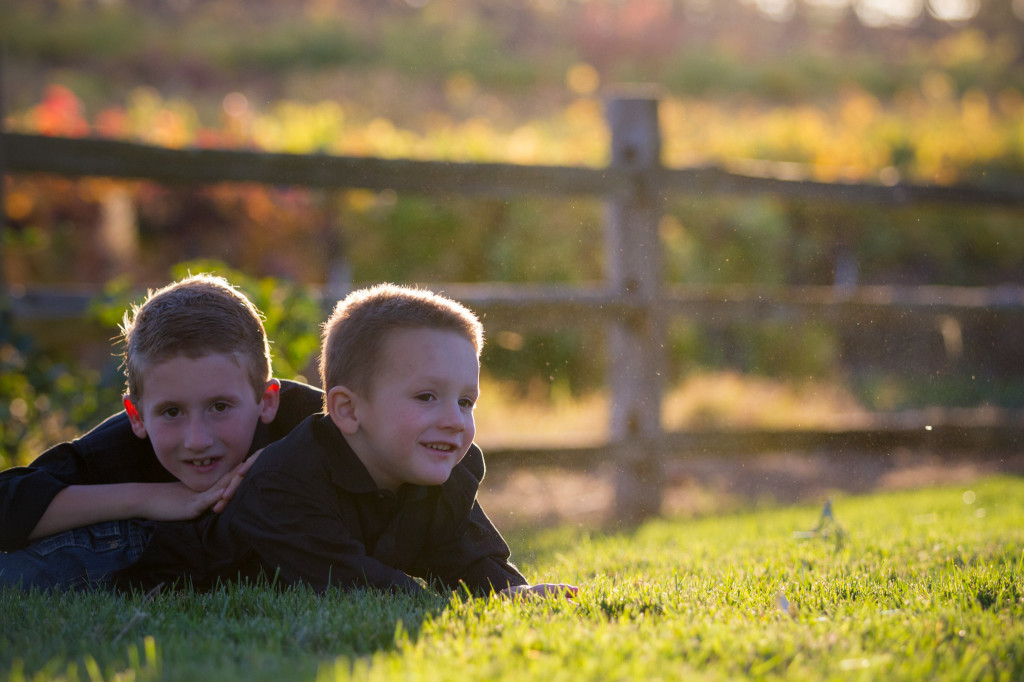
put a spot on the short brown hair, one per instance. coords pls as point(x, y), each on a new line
point(354, 334)
point(194, 317)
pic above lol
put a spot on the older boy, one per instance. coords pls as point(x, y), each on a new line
point(380, 490)
point(200, 399)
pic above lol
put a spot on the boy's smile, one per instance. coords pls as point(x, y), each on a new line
point(200, 415)
point(416, 423)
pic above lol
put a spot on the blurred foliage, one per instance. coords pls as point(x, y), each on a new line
point(695, 48)
point(424, 240)
point(545, 366)
point(772, 241)
point(47, 397)
point(880, 392)
point(822, 94)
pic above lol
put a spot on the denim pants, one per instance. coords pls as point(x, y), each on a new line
point(76, 559)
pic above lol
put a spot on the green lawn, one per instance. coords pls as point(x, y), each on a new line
point(919, 585)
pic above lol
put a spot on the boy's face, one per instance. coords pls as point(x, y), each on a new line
point(417, 423)
point(200, 415)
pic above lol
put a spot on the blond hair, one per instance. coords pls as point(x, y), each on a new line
point(353, 336)
point(194, 317)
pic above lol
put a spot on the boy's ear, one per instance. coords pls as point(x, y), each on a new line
point(138, 428)
point(341, 405)
point(271, 401)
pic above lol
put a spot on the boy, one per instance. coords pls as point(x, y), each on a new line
point(200, 399)
point(381, 489)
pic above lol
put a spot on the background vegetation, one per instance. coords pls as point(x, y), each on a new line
point(839, 91)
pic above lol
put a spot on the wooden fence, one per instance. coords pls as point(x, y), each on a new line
point(632, 301)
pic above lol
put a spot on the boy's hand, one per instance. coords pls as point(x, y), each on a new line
point(178, 502)
point(230, 481)
point(83, 505)
point(540, 590)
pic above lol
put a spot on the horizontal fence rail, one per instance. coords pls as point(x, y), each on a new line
point(116, 159)
point(541, 305)
point(936, 430)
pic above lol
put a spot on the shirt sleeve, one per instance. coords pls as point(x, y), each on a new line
point(292, 535)
point(110, 453)
point(26, 492)
point(475, 556)
point(467, 549)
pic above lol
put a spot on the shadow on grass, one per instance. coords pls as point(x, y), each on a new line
point(338, 622)
point(282, 633)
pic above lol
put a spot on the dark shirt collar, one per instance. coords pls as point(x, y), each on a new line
point(347, 471)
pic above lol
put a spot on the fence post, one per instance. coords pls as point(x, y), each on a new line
point(338, 275)
point(635, 345)
point(6, 318)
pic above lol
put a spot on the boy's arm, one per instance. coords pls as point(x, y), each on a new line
point(297, 536)
point(83, 505)
point(24, 495)
point(474, 554)
point(469, 549)
point(109, 453)
point(108, 474)
point(464, 546)
point(486, 566)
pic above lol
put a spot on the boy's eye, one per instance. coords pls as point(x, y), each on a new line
point(425, 397)
point(466, 403)
point(220, 407)
point(172, 412)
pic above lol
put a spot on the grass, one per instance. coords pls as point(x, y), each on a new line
point(926, 584)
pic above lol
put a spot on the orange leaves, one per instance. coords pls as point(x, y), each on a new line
point(60, 113)
point(19, 205)
point(113, 123)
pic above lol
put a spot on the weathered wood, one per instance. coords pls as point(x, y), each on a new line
point(635, 345)
point(49, 304)
point(939, 432)
point(117, 159)
point(6, 316)
point(781, 180)
point(709, 306)
point(110, 158)
point(546, 305)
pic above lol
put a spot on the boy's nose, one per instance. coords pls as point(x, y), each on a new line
point(197, 436)
point(453, 418)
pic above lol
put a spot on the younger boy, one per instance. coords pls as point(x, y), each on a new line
point(381, 489)
point(200, 399)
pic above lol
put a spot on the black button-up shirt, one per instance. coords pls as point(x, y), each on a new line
point(309, 512)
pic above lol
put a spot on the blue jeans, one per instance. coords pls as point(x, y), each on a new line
point(76, 559)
